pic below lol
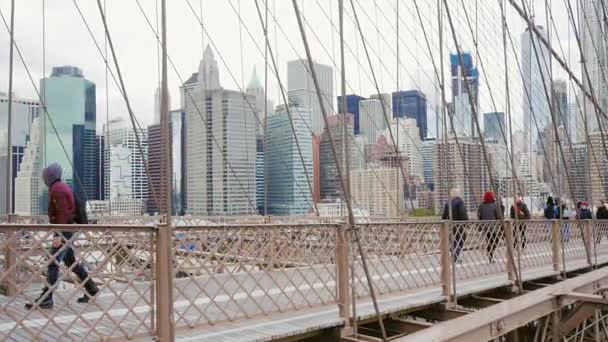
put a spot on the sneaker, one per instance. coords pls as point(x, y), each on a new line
point(87, 297)
point(47, 303)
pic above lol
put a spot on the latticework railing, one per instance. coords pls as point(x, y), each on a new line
point(400, 256)
point(118, 260)
point(228, 272)
point(240, 272)
point(478, 249)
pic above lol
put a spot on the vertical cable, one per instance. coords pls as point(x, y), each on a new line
point(9, 142)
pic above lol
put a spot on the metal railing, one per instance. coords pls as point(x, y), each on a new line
point(231, 272)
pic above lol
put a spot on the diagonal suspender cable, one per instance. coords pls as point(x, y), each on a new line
point(558, 58)
point(282, 89)
point(45, 109)
point(9, 142)
point(476, 121)
point(351, 217)
point(384, 105)
point(287, 108)
point(181, 79)
point(127, 102)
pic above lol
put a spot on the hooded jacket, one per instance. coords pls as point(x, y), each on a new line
point(62, 206)
point(459, 211)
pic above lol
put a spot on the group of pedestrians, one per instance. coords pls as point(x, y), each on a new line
point(491, 210)
point(488, 210)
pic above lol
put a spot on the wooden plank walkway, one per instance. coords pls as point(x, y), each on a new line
point(227, 311)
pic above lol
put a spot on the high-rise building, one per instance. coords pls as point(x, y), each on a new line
point(387, 103)
point(560, 106)
point(352, 106)
point(376, 191)
point(126, 177)
point(288, 188)
point(494, 126)
point(372, 121)
point(331, 188)
point(301, 90)
point(468, 174)
point(405, 130)
point(594, 43)
point(155, 157)
point(24, 112)
point(412, 104)
point(255, 90)
point(260, 175)
point(599, 175)
point(100, 181)
point(220, 145)
point(427, 147)
point(576, 158)
point(465, 78)
point(536, 78)
point(28, 184)
point(71, 105)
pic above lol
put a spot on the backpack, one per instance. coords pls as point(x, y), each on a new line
point(80, 211)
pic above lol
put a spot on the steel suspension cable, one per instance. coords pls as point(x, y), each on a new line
point(351, 218)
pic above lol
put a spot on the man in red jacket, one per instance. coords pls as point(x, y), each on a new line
point(62, 210)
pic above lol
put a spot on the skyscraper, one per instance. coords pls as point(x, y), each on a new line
point(536, 72)
point(464, 80)
point(412, 104)
point(155, 157)
point(70, 102)
point(371, 119)
point(255, 89)
point(352, 106)
point(331, 188)
point(288, 188)
point(427, 148)
point(24, 111)
point(126, 177)
point(301, 90)
point(220, 145)
point(594, 43)
point(494, 126)
point(561, 111)
point(409, 144)
point(28, 184)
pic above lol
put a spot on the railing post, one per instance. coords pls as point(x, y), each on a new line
point(164, 283)
point(555, 244)
point(587, 236)
point(343, 247)
point(510, 242)
point(446, 263)
point(10, 257)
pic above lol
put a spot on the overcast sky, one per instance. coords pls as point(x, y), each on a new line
point(68, 42)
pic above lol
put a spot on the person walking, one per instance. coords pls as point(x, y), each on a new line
point(62, 210)
point(583, 212)
point(602, 214)
point(459, 213)
point(489, 211)
point(521, 210)
point(551, 211)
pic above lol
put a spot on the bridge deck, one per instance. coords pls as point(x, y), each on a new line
point(133, 313)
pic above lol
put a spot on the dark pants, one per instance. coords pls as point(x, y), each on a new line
point(460, 236)
point(492, 239)
point(520, 235)
point(67, 256)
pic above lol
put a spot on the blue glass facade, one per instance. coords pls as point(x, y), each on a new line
point(494, 126)
point(411, 104)
point(352, 106)
point(288, 190)
point(69, 129)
